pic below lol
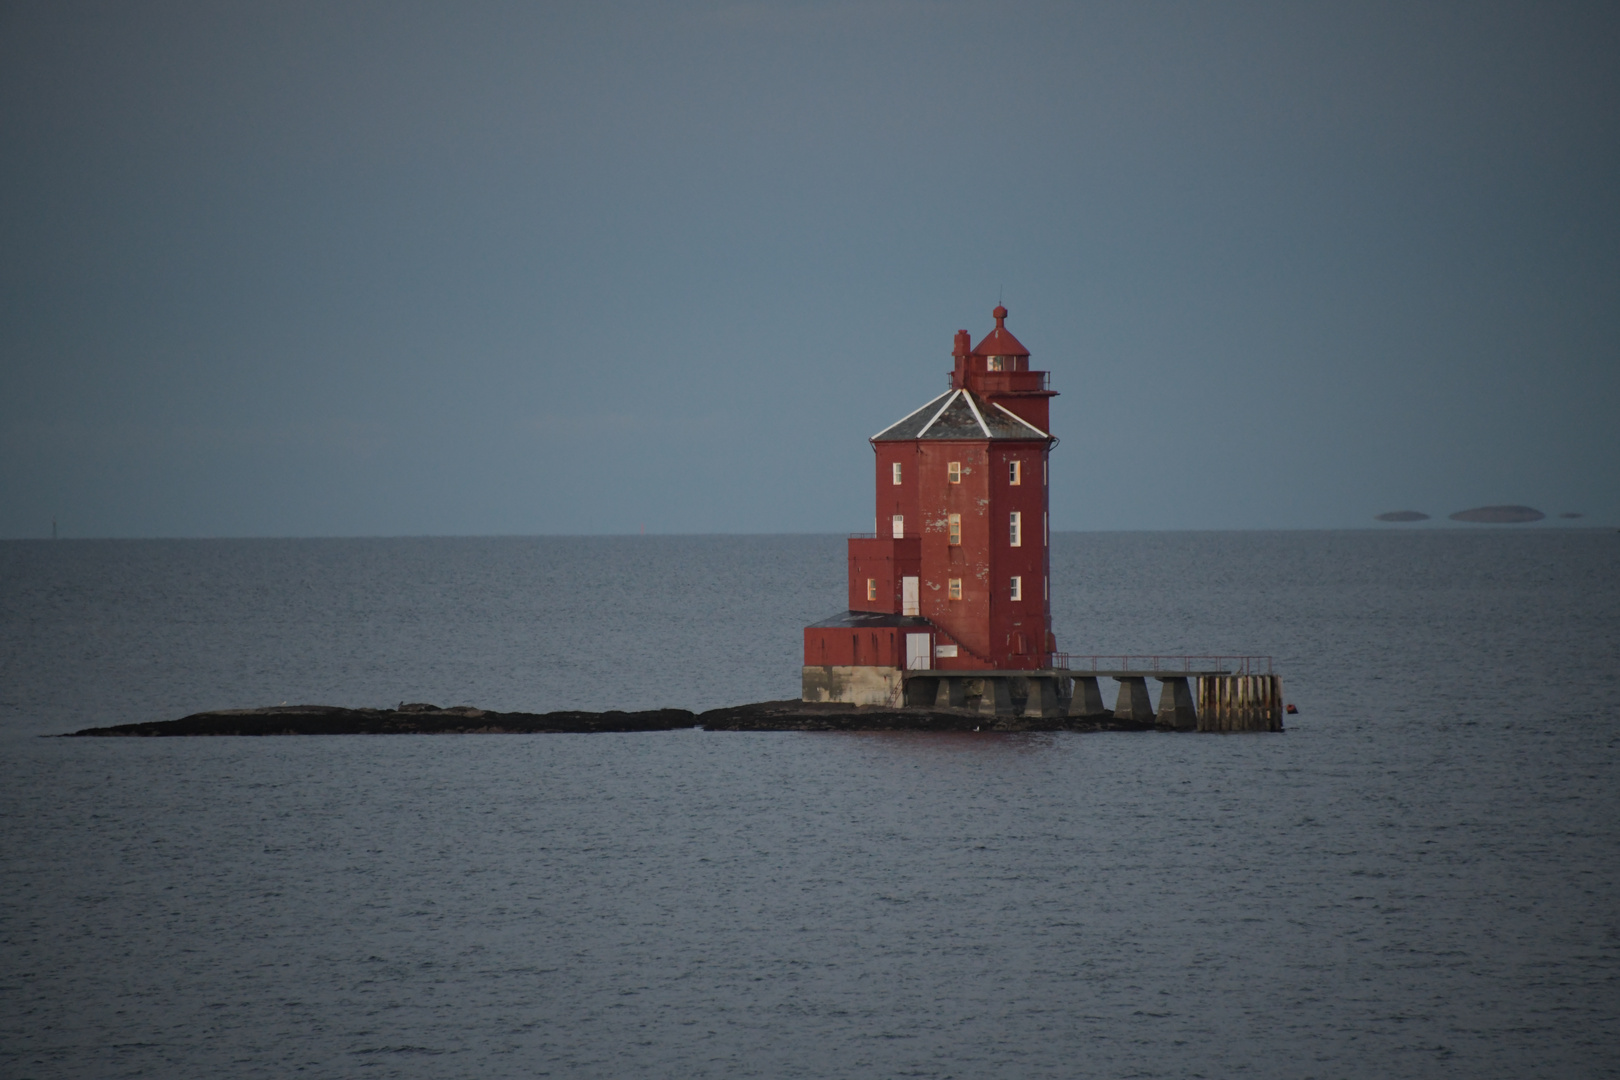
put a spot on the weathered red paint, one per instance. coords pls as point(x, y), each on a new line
point(883, 647)
point(883, 562)
point(990, 629)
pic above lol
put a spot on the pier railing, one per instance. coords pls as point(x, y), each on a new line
point(1167, 665)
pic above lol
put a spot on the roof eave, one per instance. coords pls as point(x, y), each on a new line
point(1021, 420)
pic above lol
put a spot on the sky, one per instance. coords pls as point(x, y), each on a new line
point(334, 269)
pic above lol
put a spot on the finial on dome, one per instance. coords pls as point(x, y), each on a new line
point(1000, 341)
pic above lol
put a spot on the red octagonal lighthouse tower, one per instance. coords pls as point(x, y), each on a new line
point(950, 599)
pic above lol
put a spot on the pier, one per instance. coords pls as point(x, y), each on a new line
point(1196, 693)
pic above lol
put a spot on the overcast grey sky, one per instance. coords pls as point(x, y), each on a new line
point(336, 269)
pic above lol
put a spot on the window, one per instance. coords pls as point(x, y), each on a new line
point(994, 363)
point(1046, 588)
point(1015, 473)
point(956, 588)
point(1017, 588)
point(1015, 530)
point(899, 521)
point(1046, 528)
point(953, 472)
point(956, 529)
point(897, 472)
point(871, 588)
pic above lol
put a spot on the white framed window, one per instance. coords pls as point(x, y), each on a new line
point(897, 472)
point(1015, 473)
point(871, 588)
point(953, 472)
point(899, 521)
point(955, 522)
point(1015, 530)
point(955, 588)
point(1017, 588)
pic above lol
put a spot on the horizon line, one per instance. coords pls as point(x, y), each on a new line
point(1402, 527)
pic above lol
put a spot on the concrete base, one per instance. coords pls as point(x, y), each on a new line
point(1038, 695)
point(1176, 710)
point(949, 694)
point(1133, 702)
point(1043, 698)
point(1087, 697)
point(994, 697)
point(855, 685)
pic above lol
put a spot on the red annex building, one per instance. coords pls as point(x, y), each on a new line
point(955, 580)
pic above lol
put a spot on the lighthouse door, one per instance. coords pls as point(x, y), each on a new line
point(908, 597)
point(917, 650)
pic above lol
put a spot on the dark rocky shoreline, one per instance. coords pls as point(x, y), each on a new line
point(794, 715)
point(423, 719)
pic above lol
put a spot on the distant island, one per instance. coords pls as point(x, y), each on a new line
point(1499, 515)
point(1403, 515)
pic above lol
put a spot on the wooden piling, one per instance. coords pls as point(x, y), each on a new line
point(1240, 703)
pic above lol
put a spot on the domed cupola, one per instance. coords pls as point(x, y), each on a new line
point(999, 349)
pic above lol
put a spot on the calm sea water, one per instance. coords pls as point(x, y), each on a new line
point(1420, 878)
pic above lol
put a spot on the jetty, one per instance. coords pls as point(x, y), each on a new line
point(1196, 693)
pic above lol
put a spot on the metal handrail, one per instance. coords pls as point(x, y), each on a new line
point(1046, 378)
point(1149, 665)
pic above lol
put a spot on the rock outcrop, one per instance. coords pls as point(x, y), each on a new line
point(795, 715)
point(414, 719)
point(423, 719)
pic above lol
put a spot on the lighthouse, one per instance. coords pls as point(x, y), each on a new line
point(950, 597)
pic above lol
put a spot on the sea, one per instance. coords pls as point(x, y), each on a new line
point(1420, 877)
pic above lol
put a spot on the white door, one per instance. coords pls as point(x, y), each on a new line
point(917, 649)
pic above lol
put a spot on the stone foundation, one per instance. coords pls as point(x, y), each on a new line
point(853, 685)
